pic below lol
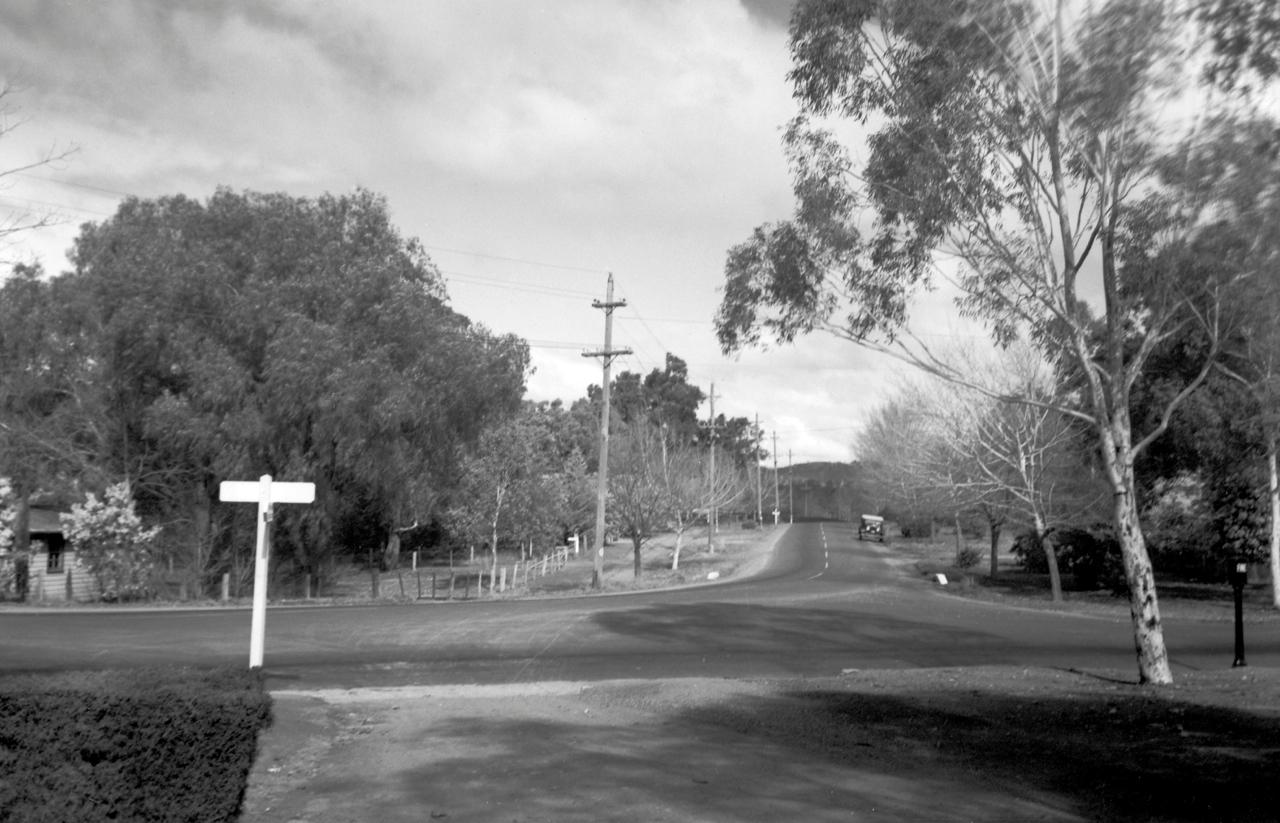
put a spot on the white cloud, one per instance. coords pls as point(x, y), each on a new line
point(635, 137)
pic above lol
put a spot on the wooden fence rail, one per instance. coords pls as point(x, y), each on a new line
point(468, 584)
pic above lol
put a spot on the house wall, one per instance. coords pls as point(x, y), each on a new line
point(48, 586)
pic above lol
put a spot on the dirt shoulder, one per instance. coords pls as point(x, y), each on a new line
point(984, 743)
point(997, 743)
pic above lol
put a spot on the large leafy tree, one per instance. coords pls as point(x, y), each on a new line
point(49, 422)
point(304, 338)
point(1010, 148)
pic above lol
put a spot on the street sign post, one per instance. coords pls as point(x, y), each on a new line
point(265, 493)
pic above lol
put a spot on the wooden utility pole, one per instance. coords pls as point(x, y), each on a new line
point(791, 495)
point(712, 514)
point(776, 510)
point(759, 492)
point(602, 478)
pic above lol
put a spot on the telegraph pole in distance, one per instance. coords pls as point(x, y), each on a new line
point(791, 495)
point(776, 510)
point(759, 493)
point(712, 514)
point(602, 478)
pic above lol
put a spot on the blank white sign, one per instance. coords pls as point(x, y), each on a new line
point(252, 491)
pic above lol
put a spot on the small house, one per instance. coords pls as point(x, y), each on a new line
point(53, 573)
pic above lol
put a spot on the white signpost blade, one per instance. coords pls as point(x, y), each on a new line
point(250, 491)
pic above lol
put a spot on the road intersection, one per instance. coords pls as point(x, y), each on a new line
point(826, 603)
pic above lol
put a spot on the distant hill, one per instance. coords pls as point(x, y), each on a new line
point(824, 490)
point(827, 474)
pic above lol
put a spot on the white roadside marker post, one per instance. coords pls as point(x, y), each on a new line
point(265, 493)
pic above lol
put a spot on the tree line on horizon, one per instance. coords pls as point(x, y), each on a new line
point(195, 342)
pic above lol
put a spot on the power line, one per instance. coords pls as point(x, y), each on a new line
point(553, 291)
point(17, 202)
point(522, 260)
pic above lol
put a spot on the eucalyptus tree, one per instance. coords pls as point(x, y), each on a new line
point(1010, 149)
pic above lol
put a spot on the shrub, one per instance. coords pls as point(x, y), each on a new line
point(1090, 555)
point(968, 557)
point(915, 526)
point(110, 541)
point(142, 745)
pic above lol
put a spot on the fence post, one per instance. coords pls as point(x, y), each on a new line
point(226, 586)
point(502, 580)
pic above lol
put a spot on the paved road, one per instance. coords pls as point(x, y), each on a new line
point(826, 604)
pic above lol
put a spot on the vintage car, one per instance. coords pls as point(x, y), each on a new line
point(871, 527)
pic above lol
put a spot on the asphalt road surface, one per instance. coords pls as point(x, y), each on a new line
point(826, 604)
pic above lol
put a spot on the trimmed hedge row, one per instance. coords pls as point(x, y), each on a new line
point(129, 745)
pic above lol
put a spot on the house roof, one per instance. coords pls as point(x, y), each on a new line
point(44, 521)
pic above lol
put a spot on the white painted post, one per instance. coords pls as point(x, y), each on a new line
point(262, 492)
point(258, 626)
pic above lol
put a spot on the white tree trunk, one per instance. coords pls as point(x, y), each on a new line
point(1153, 659)
point(1050, 557)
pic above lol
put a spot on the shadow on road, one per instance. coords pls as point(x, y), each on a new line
point(733, 627)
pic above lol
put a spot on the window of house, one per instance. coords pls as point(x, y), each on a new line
point(54, 555)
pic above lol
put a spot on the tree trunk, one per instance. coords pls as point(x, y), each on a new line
point(995, 547)
point(375, 581)
point(959, 539)
point(675, 558)
point(1153, 659)
point(635, 542)
point(1273, 491)
point(22, 523)
point(1055, 576)
point(391, 554)
point(202, 531)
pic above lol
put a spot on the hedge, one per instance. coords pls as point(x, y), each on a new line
point(129, 745)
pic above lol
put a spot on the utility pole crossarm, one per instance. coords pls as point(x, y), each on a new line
point(608, 354)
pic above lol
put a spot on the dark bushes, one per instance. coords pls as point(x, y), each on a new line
point(138, 745)
point(1090, 555)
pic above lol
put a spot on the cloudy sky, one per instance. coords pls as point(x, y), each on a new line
point(531, 147)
